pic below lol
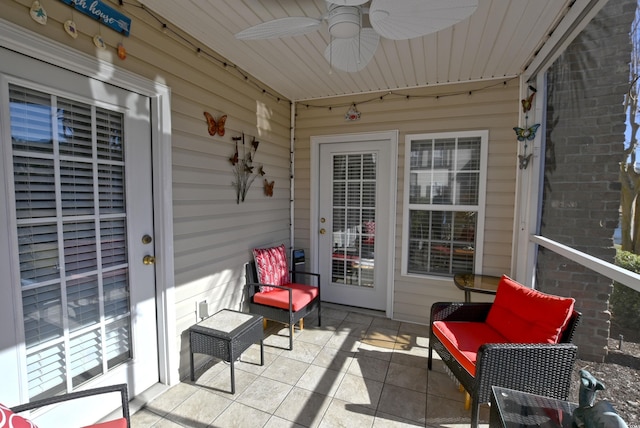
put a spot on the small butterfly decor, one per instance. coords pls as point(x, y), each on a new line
point(243, 167)
point(528, 133)
point(268, 187)
point(215, 127)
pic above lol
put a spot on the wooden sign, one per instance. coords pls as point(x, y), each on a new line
point(99, 11)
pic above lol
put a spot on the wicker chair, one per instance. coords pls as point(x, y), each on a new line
point(543, 369)
point(124, 421)
point(284, 315)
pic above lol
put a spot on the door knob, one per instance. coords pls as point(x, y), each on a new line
point(149, 260)
point(322, 231)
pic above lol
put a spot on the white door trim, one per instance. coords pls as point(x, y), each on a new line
point(34, 45)
point(316, 141)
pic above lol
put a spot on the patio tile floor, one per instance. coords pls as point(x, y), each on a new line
point(358, 369)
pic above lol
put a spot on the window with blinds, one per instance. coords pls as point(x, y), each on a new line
point(354, 219)
point(70, 214)
point(443, 196)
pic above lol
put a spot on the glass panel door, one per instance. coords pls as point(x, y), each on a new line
point(354, 219)
point(70, 211)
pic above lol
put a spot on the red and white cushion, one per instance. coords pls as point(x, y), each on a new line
point(272, 267)
point(8, 419)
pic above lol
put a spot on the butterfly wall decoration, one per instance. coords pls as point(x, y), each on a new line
point(268, 187)
point(527, 134)
point(215, 127)
point(524, 160)
point(527, 103)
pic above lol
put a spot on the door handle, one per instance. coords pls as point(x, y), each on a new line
point(322, 231)
point(148, 260)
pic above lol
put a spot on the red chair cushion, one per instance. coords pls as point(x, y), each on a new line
point(524, 315)
point(271, 266)
point(301, 295)
point(463, 339)
point(370, 229)
point(116, 423)
point(8, 419)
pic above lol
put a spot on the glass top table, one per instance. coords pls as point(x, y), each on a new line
point(475, 283)
point(516, 409)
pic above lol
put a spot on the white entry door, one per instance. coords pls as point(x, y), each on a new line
point(77, 167)
point(354, 222)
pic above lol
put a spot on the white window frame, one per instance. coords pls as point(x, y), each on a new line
point(482, 190)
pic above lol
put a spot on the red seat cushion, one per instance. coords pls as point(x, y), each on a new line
point(524, 315)
point(463, 339)
point(8, 419)
point(116, 423)
point(271, 266)
point(301, 295)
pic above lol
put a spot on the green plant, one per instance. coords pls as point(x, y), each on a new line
point(625, 301)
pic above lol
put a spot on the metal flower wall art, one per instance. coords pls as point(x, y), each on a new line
point(528, 133)
point(244, 168)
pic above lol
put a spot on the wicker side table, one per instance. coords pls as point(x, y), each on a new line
point(226, 335)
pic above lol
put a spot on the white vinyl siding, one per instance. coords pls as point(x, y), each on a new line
point(456, 107)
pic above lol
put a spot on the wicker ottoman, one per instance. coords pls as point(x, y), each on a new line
point(226, 335)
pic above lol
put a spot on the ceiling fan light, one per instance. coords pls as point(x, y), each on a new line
point(344, 21)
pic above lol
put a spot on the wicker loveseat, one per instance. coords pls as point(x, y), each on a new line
point(272, 292)
point(520, 341)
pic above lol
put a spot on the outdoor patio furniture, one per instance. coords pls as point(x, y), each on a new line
point(515, 409)
point(226, 335)
point(520, 341)
point(123, 422)
point(272, 293)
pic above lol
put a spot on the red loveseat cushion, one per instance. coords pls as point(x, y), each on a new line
point(463, 339)
point(271, 266)
point(301, 295)
point(8, 419)
point(116, 423)
point(524, 315)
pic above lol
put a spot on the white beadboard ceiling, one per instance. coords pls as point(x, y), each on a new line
point(498, 40)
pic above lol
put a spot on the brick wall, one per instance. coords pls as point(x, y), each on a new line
point(584, 144)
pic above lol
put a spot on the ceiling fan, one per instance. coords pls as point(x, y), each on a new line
point(352, 46)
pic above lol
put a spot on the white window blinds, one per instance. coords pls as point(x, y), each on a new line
point(69, 181)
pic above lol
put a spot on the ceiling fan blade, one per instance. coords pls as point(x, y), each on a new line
point(407, 19)
point(281, 27)
point(348, 2)
point(353, 55)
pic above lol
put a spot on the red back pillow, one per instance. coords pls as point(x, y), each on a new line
point(524, 315)
point(272, 267)
point(8, 419)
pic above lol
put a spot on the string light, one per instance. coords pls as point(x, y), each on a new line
point(166, 29)
point(408, 96)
